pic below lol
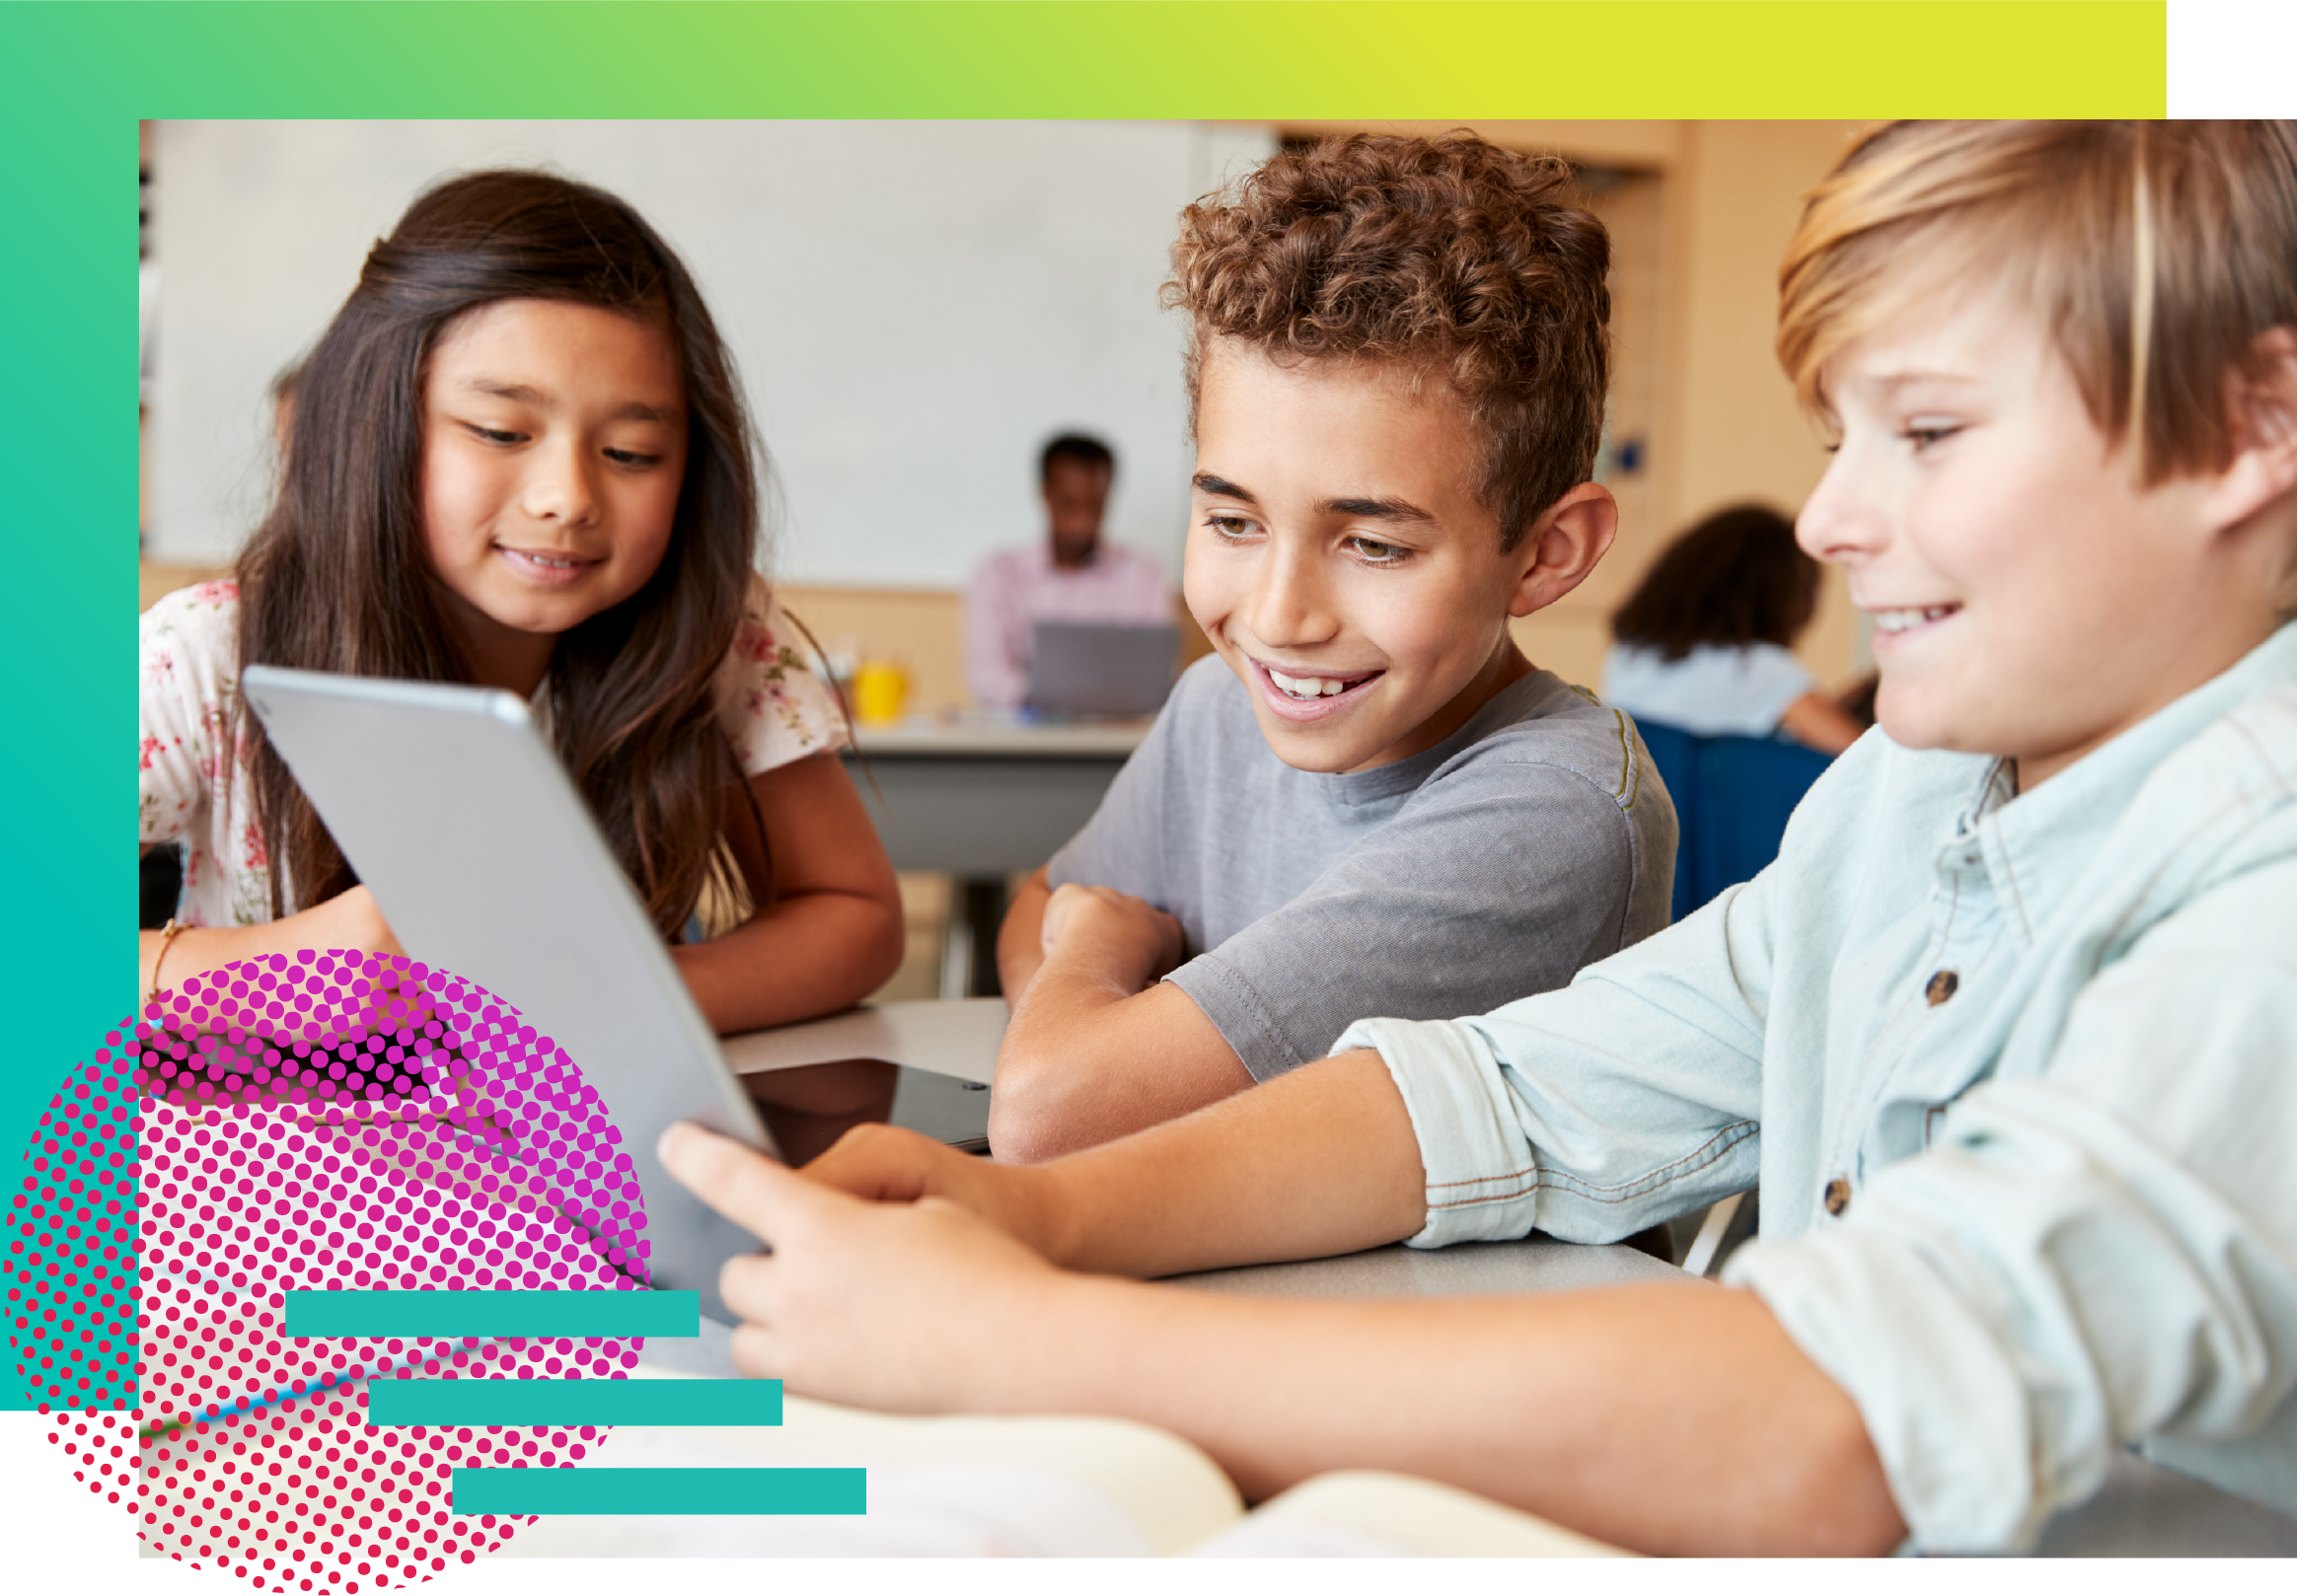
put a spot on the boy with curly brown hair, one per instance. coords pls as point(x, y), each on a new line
point(1369, 801)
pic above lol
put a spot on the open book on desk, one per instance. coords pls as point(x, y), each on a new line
point(1033, 1486)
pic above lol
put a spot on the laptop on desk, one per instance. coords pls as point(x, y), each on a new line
point(457, 815)
point(1099, 669)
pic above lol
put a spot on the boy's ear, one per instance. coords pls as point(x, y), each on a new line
point(1563, 547)
point(2261, 408)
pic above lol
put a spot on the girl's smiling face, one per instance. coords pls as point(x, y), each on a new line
point(555, 441)
point(2029, 598)
point(1341, 563)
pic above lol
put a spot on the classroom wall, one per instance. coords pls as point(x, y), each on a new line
point(886, 511)
point(1738, 432)
point(913, 306)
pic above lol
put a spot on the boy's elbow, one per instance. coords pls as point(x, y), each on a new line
point(1832, 1499)
point(1032, 1115)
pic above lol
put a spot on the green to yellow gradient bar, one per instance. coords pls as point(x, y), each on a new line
point(491, 1315)
point(692, 1403)
point(653, 1492)
point(1224, 59)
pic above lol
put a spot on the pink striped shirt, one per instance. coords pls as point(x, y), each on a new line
point(1015, 587)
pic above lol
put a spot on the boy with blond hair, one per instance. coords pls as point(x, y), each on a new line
point(2005, 1036)
point(1369, 801)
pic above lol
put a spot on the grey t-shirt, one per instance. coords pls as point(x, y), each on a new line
point(1533, 841)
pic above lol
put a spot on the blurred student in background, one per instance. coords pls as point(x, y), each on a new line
point(1071, 575)
point(1703, 642)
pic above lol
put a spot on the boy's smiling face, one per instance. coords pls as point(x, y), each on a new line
point(2029, 598)
point(1341, 563)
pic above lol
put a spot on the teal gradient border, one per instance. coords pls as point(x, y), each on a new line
point(75, 78)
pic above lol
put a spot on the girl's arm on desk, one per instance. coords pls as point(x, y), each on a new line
point(349, 920)
point(827, 930)
point(1667, 1417)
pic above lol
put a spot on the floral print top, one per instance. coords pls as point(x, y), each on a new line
point(191, 775)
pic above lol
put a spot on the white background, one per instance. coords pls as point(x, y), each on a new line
point(913, 306)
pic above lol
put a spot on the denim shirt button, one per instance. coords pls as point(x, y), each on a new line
point(1940, 988)
point(1838, 1196)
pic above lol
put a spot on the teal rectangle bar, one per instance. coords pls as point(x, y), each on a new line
point(491, 1315)
point(655, 1493)
point(691, 1403)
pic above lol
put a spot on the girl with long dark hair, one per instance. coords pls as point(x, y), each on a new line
point(521, 459)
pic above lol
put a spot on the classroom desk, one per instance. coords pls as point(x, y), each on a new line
point(1471, 1269)
point(983, 800)
point(951, 1037)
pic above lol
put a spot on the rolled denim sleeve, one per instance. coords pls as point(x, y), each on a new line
point(1627, 1097)
point(2087, 1256)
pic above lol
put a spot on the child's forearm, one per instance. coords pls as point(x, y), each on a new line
point(1322, 1161)
point(807, 955)
point(195, 950)
point(1319, 1162)
point(1670, 1418)
point(350, 920)
point(1677, 1416)
point(1087, 1058)
point(1021, 936)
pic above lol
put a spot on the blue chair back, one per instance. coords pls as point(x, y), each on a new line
point(1675, 756)
point(1733, 799)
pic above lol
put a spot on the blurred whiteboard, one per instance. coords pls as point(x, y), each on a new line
point(914, 307)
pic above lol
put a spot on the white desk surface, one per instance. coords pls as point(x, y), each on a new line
point(957, 1036)
point(991, 737)
point(1472, 1269)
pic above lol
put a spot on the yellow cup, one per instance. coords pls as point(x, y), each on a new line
point(879, 688)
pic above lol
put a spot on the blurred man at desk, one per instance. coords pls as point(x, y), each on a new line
point(1071, 575)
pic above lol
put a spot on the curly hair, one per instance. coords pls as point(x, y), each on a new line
point(1447, 254)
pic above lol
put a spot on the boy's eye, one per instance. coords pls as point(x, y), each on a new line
point(1928, 434)
point(1373, 551)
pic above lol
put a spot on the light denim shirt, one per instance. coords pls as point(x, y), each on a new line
point(2015, 1076)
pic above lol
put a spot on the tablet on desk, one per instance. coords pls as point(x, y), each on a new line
point(456, 814)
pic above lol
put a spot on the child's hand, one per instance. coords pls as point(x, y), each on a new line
point(881, 1163)
point(915, 1306)
point(1114, 930)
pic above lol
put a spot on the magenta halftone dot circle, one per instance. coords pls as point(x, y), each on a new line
point(346, 1122)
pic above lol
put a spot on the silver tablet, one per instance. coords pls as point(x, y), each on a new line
point(459, 817)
